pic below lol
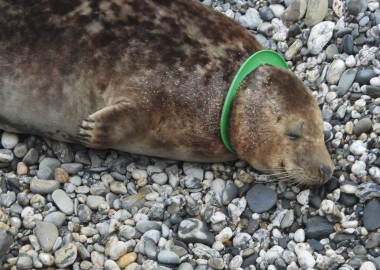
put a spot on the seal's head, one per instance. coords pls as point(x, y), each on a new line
point(277, 127)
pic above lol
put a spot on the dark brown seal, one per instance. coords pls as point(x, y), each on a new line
point(150, 77)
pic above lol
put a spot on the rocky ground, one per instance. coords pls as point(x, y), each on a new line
point(65, 206)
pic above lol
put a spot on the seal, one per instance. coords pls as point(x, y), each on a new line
point(150, 77)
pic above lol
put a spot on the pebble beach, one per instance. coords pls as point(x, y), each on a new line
point(64, 206)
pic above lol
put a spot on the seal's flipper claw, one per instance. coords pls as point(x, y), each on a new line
point(102, 129)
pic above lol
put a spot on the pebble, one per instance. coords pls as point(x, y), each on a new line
point(320, 35)
point(346, 81)
point(305, 259)
point(295, 11)
point(354, 7)
point(261, 198)
point(368, 266)
point(72, 168)
point(358, 148)
point(316, 11)
point(6, 155)
point(370, 221)
point(63, 202)
point(9, 140)
point(47, 234)
point(168, 257)
point(251, 19)
point(66, 255)
point(39, 186)
point(195, 231)
point(363, 76)
point(127, 259)
point(318, 227)
point(336, 70)
point(31, 157)
point(6, 240)
point(51, 163)
point(363, 126)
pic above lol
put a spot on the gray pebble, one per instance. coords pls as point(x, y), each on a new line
point(63, 202)
point(72, 168)
point(56, 218)
point(363, 126)
point(39, 186)
point(195, 231)
point(346, 81)
point(261, 198)
point(146, 225)
point(24, 262)
point(62, 151)
point(168, 257)
point(47, 234)
point(370, 220)
point(20, 150)
point(93, 201)
point(6, 240)
point(31, 157)
point(84, 213)
point(45, 173)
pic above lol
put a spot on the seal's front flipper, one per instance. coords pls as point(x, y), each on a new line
point(105, 128)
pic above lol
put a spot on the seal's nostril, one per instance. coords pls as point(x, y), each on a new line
point(326, 172)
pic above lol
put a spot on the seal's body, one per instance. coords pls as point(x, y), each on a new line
point(150, 77)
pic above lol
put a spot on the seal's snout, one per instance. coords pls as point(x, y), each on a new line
point(326, 172)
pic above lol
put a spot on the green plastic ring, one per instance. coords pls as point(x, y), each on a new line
point(264, 57)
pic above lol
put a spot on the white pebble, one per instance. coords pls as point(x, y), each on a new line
point(299, 236)
point(375, 81)
point(374, 172)
point(350, 61)
point(303, 197)
point(358, 148)
point(305, 259)
point(9, 140)
point(139, 174)
point(367, 266)
point(277, 9)
point(359, 169)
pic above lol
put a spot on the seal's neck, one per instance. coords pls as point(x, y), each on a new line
point(263, 57)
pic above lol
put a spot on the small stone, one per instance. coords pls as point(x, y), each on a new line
point(45, 173)
point(93, 201)
point(320, 35)
point(146, 225)
point(202, 251)
point(168, 257)
point(51, 163)
point(354, 7)
point(47, 234)
point(111, 265)
point(24, 262)
point(31, 157)
point(72, 168)
point(251, 19)
point(316, 11)
point(84, 213)
point(261, 198)
point(372, 91)
point(336, 70)
point(66, 255)
point(63, 202)
point(118, 188)
point(160, 178)
point(20, 150)
point(6, 155)
point(127, 259)
point(295, 11)
point(6, 240)
point(9, 140)
point(42, 187)
point(331, 51)
point(63, 151)
point(277, 10)
point(195, 231)
point(338, 8)
point(368, 266)
point(363, 76)
point(305, 259)
point(363, 126)
point(299, 236)
point(375, 81)
point(346, 81)
point(358, 148)
point(370, 219)
point(318, 227)
point(46, 259)
point(61, 175)
point(350, 61)
point(56, 218)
